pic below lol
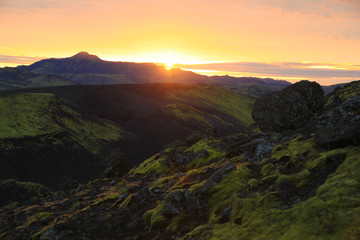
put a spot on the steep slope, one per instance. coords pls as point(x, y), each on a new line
point(158, 114)
point(15, 78)
point(48, 133)
point(249, 185)
point(42, 139)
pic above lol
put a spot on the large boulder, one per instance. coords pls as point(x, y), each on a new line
point(290, 108)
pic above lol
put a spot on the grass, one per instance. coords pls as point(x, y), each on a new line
point(38, 217)
point(228, 103)
point(332, 213)
point(37, 114)
point(204, 144)
point(150, 166)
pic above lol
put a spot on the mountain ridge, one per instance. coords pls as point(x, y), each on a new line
point(73, 68)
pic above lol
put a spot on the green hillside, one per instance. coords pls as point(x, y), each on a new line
point(42, 139)
point(15, 78)
point(236, 106)
point(251, 185)
point(36, 114)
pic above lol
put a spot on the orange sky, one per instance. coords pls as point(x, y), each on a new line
point(201, 31)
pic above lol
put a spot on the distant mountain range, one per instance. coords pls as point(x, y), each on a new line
point(86, 69)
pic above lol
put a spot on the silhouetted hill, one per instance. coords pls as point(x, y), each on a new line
point(84, 68)
point(14, 78)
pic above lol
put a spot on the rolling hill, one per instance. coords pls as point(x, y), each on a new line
point(255, 184)
point(47, 133)
point(15, 78)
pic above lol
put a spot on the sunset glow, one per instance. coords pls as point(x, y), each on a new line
point(185, 32)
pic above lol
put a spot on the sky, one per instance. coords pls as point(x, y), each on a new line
point(285, 39)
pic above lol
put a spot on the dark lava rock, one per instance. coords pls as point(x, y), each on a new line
point(181, 200)
point(254, 150)
point(290, 108)
point(215, 178)
point(311, 92)
point(177, 157)
point(339, 126)
point(198, 135)
point(115, 164)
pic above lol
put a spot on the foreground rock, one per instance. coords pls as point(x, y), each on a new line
point(290, 108)
point(339, 126)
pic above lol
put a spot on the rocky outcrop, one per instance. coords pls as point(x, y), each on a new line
point(179, 201)
point(290, 108)
point(339, 126)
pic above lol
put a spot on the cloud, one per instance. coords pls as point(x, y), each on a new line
point(30, 5)
point(18, 59)
point(283, 69)
point(325, 8)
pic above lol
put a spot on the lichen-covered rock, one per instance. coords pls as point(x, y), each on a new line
point(290, 108)
point(339, 126)
point(312, 93)
point(215, 178)
point(181, 200)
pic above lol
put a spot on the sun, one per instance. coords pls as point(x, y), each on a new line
point(168, 60)
point(169, 63)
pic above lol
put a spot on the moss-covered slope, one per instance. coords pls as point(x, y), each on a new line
point(216, 189)
point(42, 139)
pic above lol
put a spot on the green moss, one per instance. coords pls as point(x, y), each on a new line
point(333, 213)
point(253, 183)
point(294, 148)
point(348, 91)
point(190, 179)
point(232, 104)
point(74, 207)
point(188, 114)
point(127, 201)
point(43, 114)
point(161, 182)
point(158, 221)
point(226, 191)
point(150, 166)
point(147, 216)
point(38, 217)
point(268, 169)
point(204, 144)
point(195, 186)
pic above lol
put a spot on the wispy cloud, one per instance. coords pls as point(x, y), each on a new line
point(303, 70)
point(33, 5)
point(325, 8)
point(18, 59)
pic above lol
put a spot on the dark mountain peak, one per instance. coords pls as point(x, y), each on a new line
point(85, 56)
